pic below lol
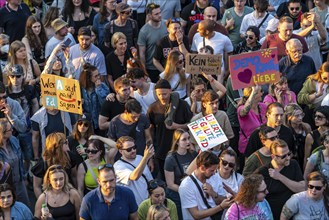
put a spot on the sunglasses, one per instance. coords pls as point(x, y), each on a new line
point(225, 163)
point(153, 184)
point(263, 191)
point(250, 37)
point(108, 165)
point(126, 12)
point(85, 124)
point(284, 156)
point(318, 117)
point(173, 21)
point(316, 187)
point(294, 9)
point(55, 167)
point(273, 138)
point(91, 151)
point(19, 76)
point(129, 149)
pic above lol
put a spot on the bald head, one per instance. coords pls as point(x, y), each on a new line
point(210, 13)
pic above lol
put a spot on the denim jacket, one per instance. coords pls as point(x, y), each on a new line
point(20, 211)
point(17, 150)
point(100, 26)
point(93, 101)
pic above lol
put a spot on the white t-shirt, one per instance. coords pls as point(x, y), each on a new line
point(198, 104)
point(250, 20)
point(325, 101)
point(139, 187)
point(180, 89)
point(190, 196)
point(234, 182)
point(138, 5)
point(219, 42)
point(147, 99)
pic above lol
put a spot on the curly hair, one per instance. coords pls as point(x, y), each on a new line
point(34, 40)
point(247, 195)
point(53, 152)
point(52, 170)
point(171, 69)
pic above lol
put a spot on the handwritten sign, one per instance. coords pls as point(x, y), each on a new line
point(60, 93)
point(209, 64)
point(257, 67)
point(207, 132)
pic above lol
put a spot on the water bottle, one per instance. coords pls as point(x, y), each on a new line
point(44, 211)
point(229, 16)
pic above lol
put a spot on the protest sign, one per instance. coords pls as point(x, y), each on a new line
point(207, 132)
point(257, 67)
point(60, 93)
point(209, 64)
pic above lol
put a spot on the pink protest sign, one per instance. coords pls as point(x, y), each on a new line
point(258, 67)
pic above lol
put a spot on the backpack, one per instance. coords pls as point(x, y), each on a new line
point(319, 158)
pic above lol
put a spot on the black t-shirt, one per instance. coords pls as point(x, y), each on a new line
point(13, 22)
point(163, 136)
point(278, 192)
point(111, 109)
point(114, 67)
point(24, 98)
point(255, 144)
point(164, 46)
point(284, 11)
point(55, 124)
point(187, 15)
point(73, 144)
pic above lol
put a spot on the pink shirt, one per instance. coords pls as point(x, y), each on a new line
point(249, 123)
point(285, 99)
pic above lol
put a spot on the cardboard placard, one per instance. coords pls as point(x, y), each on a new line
point(60, 93)
point(258, 67)
point(207, 132)
point(209, 64)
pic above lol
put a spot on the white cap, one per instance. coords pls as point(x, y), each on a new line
point(272, 25)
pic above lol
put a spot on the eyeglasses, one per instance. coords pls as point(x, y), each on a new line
point(126, 12)
point(173, 21)
point(91, 151)
point(284, 156)
point(319, 117)
point(250, 37)
point(263, 191)
point(55, 167)
point(272, 138)
point(3, 97)
point(180, 61)
point(153, 184)
point(108, 165)
point(294, 9)
point(19, 76)
point(85, 124)
point(129, 149)
point(316, 187)
point(225, 163)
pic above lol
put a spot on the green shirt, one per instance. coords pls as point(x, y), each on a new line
point(146, 204)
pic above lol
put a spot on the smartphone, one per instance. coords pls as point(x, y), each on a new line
point(148, 144)
point(67, 42)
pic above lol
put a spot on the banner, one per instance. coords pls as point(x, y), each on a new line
point(207, 132)
point(60, 93)
point(209, 64)
point(257, 67)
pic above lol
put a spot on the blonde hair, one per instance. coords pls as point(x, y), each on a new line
point(52, 170)
point(14, 47)
point(155, 212)
point(177, 135)
point(171, 69)
point(116, 37)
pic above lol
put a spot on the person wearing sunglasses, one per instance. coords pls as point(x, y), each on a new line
point(294, 9)
point(87, 170)
point(293, 119)
point(11, 153)
point(283, 177)
point(250, 202)
point(59, 196)
point(316, 162)
point(262, 156)
point(131, 169)
point(109, 200)
point(251, 41)
point(309, 204)
point(315, 88)
point(313, 139)
point(157, 196)
point(56, 151)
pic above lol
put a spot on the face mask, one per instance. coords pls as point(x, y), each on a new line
point(4, 48)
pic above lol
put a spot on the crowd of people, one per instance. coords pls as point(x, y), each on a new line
point(131, 155)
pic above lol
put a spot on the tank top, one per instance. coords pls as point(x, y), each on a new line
point(147, 99)
point(90, 182)
point(65, 212)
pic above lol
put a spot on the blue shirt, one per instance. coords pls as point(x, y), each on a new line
point(93, 205)
point(20, 211)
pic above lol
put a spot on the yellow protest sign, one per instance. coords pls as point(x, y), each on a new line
point(60, 93)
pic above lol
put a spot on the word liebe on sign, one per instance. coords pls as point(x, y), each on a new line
point(209, 64)
point(207, 132)
point(60, 93)
point(254, 68)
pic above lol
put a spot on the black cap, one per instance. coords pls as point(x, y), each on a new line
point(162, 84)
point(16, 70)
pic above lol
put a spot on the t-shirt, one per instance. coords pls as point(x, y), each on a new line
point(145, 100)
point(251, 20)
point(234, 182)
point(114, 66)
point(118, 129)
point(278, 192)
point(168, 7)
point(111, 109)
point(148, 36)
point(255, 161)
point(146, 204)
point(13, 22)
point(317, 160)
point(194, 29)
point(139, 187)
point(176, 85)
point(93, 55)
point(304, 207)
point(268, 99)
point(55, 124)
point(261, 211)
point(184, 161)
point(191, 18)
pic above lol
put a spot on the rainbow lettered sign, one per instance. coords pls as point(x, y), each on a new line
point(207, 132)
point(257, 67)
